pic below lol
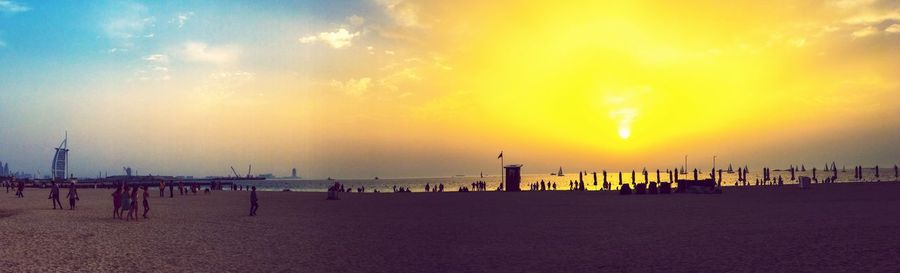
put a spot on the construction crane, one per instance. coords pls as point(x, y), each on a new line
point(235, 172)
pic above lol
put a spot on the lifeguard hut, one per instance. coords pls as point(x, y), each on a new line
point(513, 177)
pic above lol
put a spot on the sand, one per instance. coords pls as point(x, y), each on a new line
point(828, 228)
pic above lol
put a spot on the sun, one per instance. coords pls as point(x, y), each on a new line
point(624, 132)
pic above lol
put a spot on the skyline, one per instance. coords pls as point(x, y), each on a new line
point(394, 88)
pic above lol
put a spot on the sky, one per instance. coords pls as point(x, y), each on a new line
point(398, 88)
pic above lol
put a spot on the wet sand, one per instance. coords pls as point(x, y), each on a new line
point(828, 228)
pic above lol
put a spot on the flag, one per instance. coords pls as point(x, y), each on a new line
point(501, 155)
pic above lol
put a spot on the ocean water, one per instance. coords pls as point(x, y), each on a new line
point(454, 183)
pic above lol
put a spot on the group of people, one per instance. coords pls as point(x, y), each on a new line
point(400, 189)
point(18, 186)
point(72, 195)
point(436, 188)
point(545, 186)
point(125, 198)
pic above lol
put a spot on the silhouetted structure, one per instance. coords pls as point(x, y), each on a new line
point(513, 177)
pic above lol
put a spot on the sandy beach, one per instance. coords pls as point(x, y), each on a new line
point(828, 228)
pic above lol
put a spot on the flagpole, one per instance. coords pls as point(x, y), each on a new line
point(501, 170)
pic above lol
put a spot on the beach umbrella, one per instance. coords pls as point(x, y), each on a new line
point(720, 177)
point(670, 175)
point(833, 172)
point(657, 176)
point(876, 171)
point(814, 173)
point(646, 176)
point(896, 171)
point(620, 178)
point(595, 178)
point(632, 177)
point(792, 173)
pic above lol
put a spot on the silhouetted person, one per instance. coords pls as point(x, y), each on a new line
point(162, 188)
point(171, 190)
point(146, 202)
point(72, 195)
point(54, 195)
point(695, 174)
point(254, 201)
point(117, 202)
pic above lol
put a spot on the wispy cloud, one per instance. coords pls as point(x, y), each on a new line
point(895, 28)
point(182, 18)
point(129, 22)
point(202, 52)
point(353, 87)
point(356, 20)
point(12, 7)
point(403, 12)
point(340, 38)
point(864, 32)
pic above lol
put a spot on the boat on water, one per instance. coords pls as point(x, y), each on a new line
point(730, 169)
point(376, 178)
point(684, 167)
point(560, 172)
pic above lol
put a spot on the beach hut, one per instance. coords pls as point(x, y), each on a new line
point(513, 177)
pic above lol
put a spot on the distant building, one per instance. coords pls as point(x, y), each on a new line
point(60, 164)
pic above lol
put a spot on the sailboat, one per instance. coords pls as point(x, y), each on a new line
point(684, 167)
point(560, 172)
point(730, 170)
point(482, 174)
point(802, 168)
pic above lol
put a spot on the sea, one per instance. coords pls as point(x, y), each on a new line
point(454, 183)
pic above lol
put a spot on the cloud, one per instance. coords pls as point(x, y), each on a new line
point(863, 32)
point(129, 22)
point(404, 13)
point(182, 18)
point(353, 87)
point(204, 53)
point(156, 68)
point(222, 86)
point(873, 18)
point(356, 20)
point(340, 38)
point(850, 4)
point(12, 7)
point(895, 28)
point(157, 58)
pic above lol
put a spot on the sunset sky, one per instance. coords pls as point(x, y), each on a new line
point(397, 88)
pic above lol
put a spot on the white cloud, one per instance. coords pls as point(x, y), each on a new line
point(182, 18)
point(895, 28)
point(356, 20)
point(129, 22)
point(202, 52)
point(404, 13)
point(340, 38)
point(353, 87)
point(157, 58)
point(863, 32)
point(12, 7)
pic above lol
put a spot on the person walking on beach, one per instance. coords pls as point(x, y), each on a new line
point(254, 201)
point(54, 195)
point(146, 202)
point(162, 188)
point(132, 207)
point(117, 202)
point(72, 195)
point(126, 203)
point(20, 188)
point(171, 190)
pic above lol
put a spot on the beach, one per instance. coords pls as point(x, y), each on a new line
point(849, 227)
